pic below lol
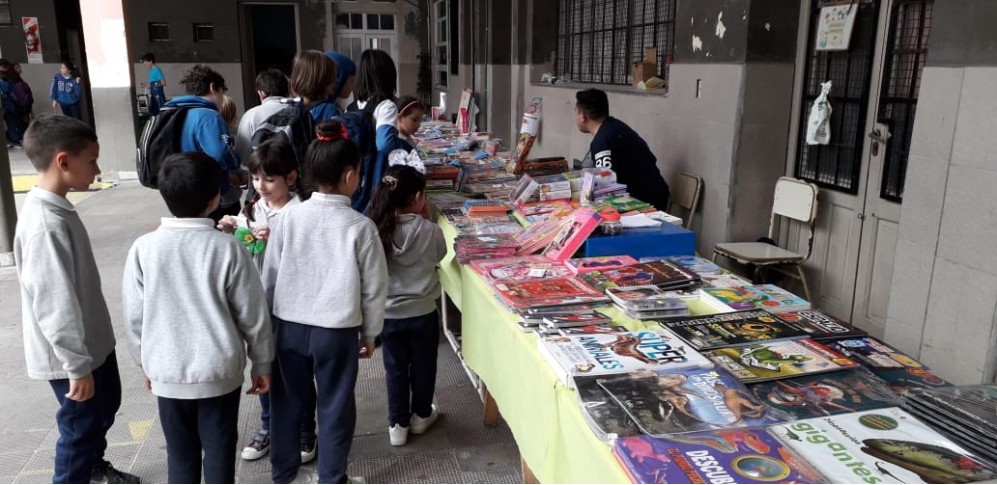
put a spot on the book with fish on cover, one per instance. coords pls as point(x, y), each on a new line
point(733, 329)
point(779, 359)
point(601, 354)
point(827, 394)
point(820, 325)
point(674, 401)
point(722, 456)
point(881, 446)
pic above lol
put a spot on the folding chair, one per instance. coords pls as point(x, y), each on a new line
point(685, 195)
point(796, 200)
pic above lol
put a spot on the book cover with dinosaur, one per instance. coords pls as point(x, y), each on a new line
point(846, 391)
point(778, 360)
point(723, 456)
point(731, 329)
point(600, 354)
point(881, 446)
point(668, 402)
point(819, 325)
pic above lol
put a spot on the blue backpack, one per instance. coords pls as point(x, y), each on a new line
point(360, 126)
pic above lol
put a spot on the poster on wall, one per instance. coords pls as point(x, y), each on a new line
point(834, 30)
point(32, 40)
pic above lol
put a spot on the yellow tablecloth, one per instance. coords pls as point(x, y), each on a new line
point(544, 415)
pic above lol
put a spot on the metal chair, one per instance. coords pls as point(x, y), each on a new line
point(685, 195)
point(796, 200)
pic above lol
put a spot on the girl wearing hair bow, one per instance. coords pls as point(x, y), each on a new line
point(413, 246)
point(325, 315)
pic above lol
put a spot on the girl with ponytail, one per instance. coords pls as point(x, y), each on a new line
point(326, 280)
point(413, 246)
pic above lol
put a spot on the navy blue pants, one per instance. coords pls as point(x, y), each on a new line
point(83, 425)
point(410, 348)
point(15, 126)
point(324, 359)
point(193, 426)
point(157, 97)
point(72, 110)
point(307, 416)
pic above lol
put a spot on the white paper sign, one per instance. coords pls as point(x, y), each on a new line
point(834, 29)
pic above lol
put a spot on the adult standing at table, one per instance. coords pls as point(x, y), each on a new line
point(66, 91)
point(617, 147)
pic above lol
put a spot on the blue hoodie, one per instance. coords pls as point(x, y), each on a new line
point(65, 90)
point(205, 131)
point(324, 110)
point(345, 67)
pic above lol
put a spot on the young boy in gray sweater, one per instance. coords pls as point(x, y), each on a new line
point(194, 309)
point(68, 338)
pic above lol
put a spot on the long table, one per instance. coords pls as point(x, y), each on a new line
point(555, 443)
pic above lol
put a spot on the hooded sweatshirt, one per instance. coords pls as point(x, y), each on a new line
point(413, 283)
point(205, 131)
point(65, 90)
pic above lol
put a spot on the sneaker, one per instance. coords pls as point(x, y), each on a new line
point(308, 450)
point(356, 480)
point(305, 475)
point(398, 435)
point(419, 424)
point(104, 472)
point(259, 447)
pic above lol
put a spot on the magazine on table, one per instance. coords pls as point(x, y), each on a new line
point(758, 297)
point(840, 392)
point(779, 359)
point(732, 329)
point(521, 293)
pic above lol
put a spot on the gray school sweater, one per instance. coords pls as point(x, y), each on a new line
point(67, 328)
point(325, 267)
point(414, 284)
point(194, 309)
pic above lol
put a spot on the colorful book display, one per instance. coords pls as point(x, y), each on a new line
point(841, 392)
point(599, 263)
point(777, 360)
point(819, 325)
point(759, 297)
point(881, 446)
point(529, 293)
point(575, 228)
point(662, 274)
point(899, 370)
point(733, 329)
point(519, 267)
point(722, 456)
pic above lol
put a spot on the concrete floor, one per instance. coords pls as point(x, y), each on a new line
point(459, 449)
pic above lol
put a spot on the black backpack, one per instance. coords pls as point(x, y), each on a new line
point(160, 139)
point(293, 124)
point(359, 124)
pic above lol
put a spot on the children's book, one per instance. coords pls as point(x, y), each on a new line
point(519, 267)
point(643, 298)
point(606, 419)
point(758, 297)
point(519, 293)
point(675, 401)
point(698, 265)
point(727, 280)
point(600, 354)
point(778, 360)
point(733, 329)
point(590, 329)
point(657, 273)
point(840, 392)
point(819, 325)
point(579, 319)
point(575, 228)
point(523, 191)
point(626, 203)
point(530, 209)
point(599, 263)
point(722, 456)
point(540, 234)
point(881, 446)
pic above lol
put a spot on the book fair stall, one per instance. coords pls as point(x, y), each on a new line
point(616, 355)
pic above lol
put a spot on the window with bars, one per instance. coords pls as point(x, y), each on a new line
point(599, 40)
point(906, 52)
point(837, 165)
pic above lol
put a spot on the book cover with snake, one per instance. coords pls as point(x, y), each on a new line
point(725, 456)
point(881, 446)
point(687, 400)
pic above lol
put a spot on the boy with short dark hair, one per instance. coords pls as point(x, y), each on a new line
point(157, 83)
point(194, 310)
point(272, 88)
point(68, 338)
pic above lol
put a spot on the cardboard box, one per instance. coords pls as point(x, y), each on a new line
point(648, 68)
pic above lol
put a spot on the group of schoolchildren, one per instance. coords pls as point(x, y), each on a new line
point(327, 281)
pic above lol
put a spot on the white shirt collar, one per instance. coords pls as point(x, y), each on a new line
point(186, 223)
point(330, 198)
point(52, 198)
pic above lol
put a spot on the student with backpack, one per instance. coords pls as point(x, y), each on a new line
point(272, 88)
point(326, 315)
point(313, 79)
point(413, 246)
point(11, 113)
point(204, 130)
point(375, 89)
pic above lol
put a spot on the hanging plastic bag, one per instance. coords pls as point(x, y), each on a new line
point(527, 134)
point(819, 123)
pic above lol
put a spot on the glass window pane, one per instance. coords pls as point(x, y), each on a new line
point(387, 22)
point(441, 78)
point(5, 16)
point(441, 9)
point(441, 55)
point(356, 21)
point(343, 21)
point(373, 22)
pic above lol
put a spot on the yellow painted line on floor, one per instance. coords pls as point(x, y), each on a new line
point(24, 183)
point(35, 473)
point(139, 429)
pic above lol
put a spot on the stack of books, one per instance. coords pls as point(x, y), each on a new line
point(965, 414)
point(536, 267)
point(474, 207)
point(470, 248)
point(663, 274)
point(647, 302)
point(522, 293)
